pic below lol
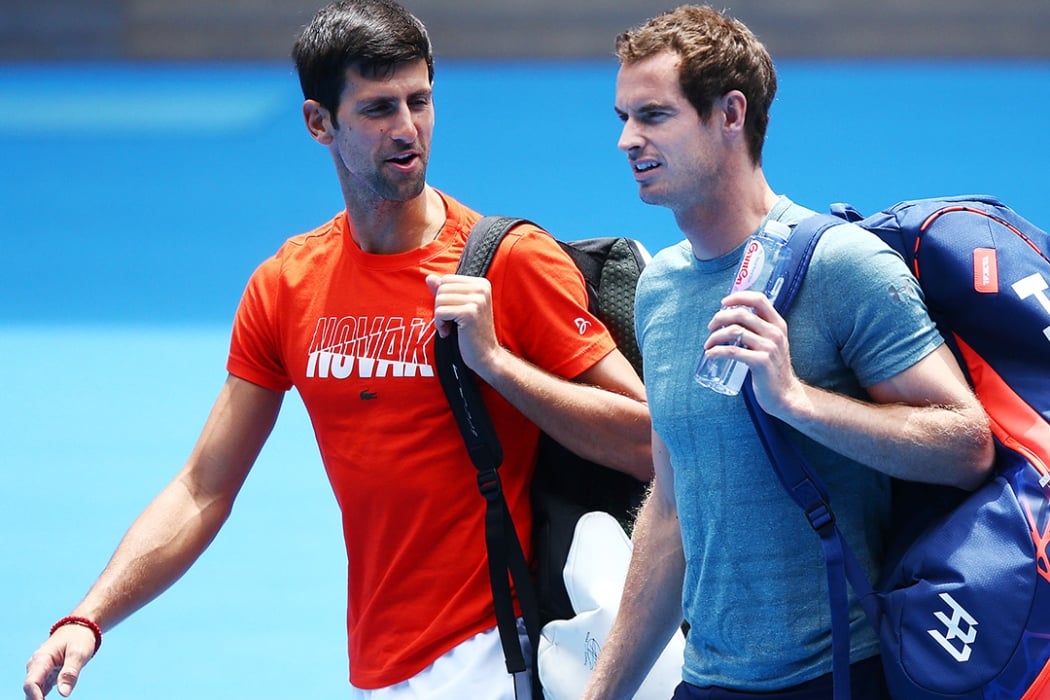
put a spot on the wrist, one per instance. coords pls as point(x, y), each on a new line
point(496, 366)
point(81, 622)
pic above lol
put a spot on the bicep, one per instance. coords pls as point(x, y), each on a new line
point(236, 429)
point(614, 373)
point(663, 481)
point(935, 380)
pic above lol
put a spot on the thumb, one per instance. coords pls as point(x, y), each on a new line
point(443, 325)
point(72, 665)
point(67, 678)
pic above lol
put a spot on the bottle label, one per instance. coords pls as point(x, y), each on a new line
point(751, 266)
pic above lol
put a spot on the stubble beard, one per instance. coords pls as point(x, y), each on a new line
point(400, 187)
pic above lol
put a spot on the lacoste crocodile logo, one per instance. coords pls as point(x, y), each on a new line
point(367, 395)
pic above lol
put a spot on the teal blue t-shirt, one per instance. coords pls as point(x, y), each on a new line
point(755, 592)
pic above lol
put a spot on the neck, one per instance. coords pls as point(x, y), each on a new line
point(389, 227)
point(715, 227)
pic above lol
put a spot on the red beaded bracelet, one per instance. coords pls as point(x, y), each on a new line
point(83, 622)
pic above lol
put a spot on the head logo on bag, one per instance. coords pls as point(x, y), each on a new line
point(960, 626)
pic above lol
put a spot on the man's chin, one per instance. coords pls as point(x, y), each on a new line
point(649, 196)
point(404, 191)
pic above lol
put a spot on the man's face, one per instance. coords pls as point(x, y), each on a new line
point(384, 134)
point(673, 154)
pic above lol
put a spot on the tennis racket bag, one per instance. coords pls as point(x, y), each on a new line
point(962, 609)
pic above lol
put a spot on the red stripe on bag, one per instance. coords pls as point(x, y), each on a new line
point(1017, 425)
point(1040, 686)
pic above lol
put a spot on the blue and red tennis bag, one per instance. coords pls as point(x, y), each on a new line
point(963, 607)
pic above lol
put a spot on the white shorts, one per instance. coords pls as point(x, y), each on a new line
point(473, 669)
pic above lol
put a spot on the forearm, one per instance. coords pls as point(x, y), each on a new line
point(923, 423)
point(932, 443)
point(605, 426)
point(169, 535)
point(650, 610)
point(177, 526)
point(155, 552)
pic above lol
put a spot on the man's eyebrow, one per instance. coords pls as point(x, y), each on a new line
point(646, 109)
point(654, 106)
point(391, 98)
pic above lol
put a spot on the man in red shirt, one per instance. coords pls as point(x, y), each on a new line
point(346, 314)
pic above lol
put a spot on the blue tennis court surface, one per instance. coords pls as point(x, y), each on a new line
point(134, 203)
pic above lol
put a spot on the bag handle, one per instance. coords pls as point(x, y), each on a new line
point(504, 551)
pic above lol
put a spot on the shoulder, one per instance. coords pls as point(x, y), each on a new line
point(673, 257)
point(320, 239)
point(304, 252)
point(848, 247)
point(528, 246)
point(668, 275)
point(458, 216)
point(850, 262)
point(521, 242)
point(666, 263)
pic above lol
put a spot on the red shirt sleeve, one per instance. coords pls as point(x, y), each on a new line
point(540, 305)
point(254, 350)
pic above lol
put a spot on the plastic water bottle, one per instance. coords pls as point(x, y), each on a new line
point(761, 269)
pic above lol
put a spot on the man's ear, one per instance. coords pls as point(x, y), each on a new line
point(734, 106)
point(318, 122)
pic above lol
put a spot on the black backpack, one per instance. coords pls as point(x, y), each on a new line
point(565, 485)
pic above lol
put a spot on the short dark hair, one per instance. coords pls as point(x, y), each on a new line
point(375, 36)
point(718, 53)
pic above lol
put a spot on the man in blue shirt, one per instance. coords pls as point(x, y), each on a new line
point(856, 369)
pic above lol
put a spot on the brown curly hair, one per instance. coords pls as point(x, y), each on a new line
point(718, 53)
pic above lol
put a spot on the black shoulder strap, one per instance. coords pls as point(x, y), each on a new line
point(456, 378)
point(482, 243)
point(802, 484)
point(505, 553)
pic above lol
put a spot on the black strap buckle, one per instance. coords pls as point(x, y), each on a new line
point(489, 484)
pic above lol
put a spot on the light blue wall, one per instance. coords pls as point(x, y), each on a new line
point(136, 194)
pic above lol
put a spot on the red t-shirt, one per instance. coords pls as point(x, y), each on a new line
point(353, 333)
